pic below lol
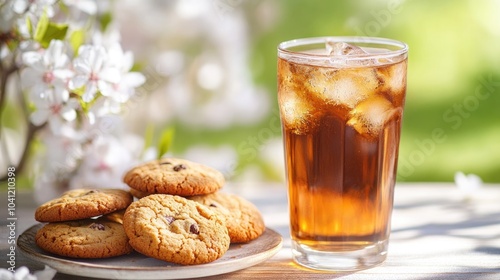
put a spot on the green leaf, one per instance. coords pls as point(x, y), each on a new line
point(55, 31)
point(137, 67)
point(47, 31)
point(41, 27)
point(105, 20)
point(29, 25)
point(165, 142)
point(76, 39)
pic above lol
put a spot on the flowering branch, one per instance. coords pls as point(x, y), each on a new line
point(72, 80)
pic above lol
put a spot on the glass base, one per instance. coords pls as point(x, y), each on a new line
point(329, 259)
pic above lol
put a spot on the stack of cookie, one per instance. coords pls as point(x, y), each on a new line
point(181, 215)
point(84, 223)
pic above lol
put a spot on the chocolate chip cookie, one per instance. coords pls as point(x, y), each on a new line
point(89, 238)
point(83, 204)
point(175, 229)
point(243, 220)
point(174, 176)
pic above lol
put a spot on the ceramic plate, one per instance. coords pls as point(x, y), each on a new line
point(138, 266)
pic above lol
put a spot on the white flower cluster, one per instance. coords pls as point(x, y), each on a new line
point(76, 79)
point(23, 273)
point(53, 80)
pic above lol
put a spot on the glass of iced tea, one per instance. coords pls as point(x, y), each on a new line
point(341, 104)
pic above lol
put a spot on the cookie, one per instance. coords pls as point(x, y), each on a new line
point(174, 176)
point(89, 238)
point(243, 220)
point(83, 204)
point(175, 229)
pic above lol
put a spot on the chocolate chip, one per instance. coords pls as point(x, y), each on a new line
point(212, 205)
point(170, 219)
point(91, 192)
point(194, 229)
point(165, 163)
point(179, 167)
point(97, 226)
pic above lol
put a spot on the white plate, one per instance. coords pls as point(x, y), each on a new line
point(138, 266)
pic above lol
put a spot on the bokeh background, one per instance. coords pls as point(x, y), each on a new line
point(211, 69)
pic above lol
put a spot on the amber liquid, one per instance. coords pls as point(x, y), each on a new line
point(340, 177)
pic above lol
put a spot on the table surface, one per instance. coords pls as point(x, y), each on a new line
point(438, 232)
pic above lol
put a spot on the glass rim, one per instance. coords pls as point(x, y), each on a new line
point(284, 47)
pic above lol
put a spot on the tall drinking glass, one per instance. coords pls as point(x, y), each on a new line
point(341, 104)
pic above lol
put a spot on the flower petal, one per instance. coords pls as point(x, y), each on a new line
point(68, 113)
point(81, 66)
point(55, 55)
point(30, 58)
point(90, 91)
point(63, 74)
point(111, 75)
point(78, 81)
point(105, 88)
point(134, 79)
point(88, 6)
point(40, 116)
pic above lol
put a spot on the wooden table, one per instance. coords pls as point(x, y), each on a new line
point(438, 232)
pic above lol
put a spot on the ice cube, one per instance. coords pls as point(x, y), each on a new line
point(345, 87)
point(394, 77)
point(297, 115)
point(342, 48)
point(340, 52)
point(370, 115)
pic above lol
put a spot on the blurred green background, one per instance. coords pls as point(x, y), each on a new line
point(453, 76)
point(452, 113)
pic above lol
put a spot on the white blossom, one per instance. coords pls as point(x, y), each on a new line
point(34, 7)
point(87, 6)
point(21, 273)
point(62, 151)
point(51, 107)
point(468, 183)
point(92, 72)
point(105, 162)
point(47, 69)
point(125, 88)
point(78, 95)
point(101, 108)
point(60, 158)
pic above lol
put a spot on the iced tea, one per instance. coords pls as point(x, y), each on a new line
point(341, 107)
